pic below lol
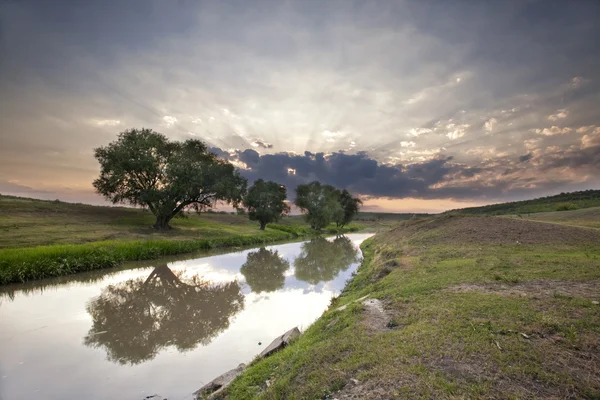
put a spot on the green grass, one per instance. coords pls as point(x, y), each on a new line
point(25, 264)
point(42, 239)
point(463, 320)
point(29, 222)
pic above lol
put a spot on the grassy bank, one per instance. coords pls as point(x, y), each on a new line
point(471, 307)
point(43, 239)
point(25, 264)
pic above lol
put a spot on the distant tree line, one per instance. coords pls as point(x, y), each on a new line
point(144, 168)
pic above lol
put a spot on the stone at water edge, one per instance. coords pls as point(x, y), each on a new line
point(280, 342)
point(218, 384)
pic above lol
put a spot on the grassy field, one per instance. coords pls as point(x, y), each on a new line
point(586, 217)
point(29, 222)
point(559, 202)
point(41, 239)
point(460, 307)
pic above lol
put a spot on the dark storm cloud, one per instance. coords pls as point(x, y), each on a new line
point(356, 172)
point(440, 177)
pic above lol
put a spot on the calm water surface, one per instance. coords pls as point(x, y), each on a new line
point(165, 328)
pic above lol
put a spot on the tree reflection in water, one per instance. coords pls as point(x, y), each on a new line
point(134, 320)
point(264, 270)
point(321, 260)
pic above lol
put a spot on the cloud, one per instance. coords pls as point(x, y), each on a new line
point(554, 130)
point(106, 122)
point(525, 157)
point(560, 114)
point(532, 144)
point(331, 136)
point(357, 172)
point(419, 131)
point(489, 124)
point(183, 71)
point(584, 129)
point(17, 189)
point(261, 143)
point(577, 82)
point(169, 120)
point(456, 131)
point(591, 140)
point(438, 177)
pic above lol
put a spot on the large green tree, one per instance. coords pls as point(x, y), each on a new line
point(265, 202)
point(350, 205)
point(264, 270)
point(134, 320)
point(320, 203)
point(143, 167)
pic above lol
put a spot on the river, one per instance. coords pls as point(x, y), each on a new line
point(166, 326)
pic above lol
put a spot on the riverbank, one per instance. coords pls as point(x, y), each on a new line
point(43, 239)
point(456, 307)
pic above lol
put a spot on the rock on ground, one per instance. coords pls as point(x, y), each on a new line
point(280, 342)
point(214, 387)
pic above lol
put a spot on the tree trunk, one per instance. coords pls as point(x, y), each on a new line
point(262, 225)
point(162, 223)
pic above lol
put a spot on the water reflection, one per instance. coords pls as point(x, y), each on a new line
point(264, 270)
point(135, 319)
point(321, 260)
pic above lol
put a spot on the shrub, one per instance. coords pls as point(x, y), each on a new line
point(566, 207)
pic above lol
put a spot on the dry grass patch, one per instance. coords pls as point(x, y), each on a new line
point(534, 288)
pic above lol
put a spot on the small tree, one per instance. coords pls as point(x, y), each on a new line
point(350, 205)
point(266, 202)
point(143, 167)
point(320, 203)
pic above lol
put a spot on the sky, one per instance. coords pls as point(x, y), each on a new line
point(416, 106)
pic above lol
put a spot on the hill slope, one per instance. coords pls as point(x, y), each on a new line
point(458, 307)
point(586, 217)
point(559, 202)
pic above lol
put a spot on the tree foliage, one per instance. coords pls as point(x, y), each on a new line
point(264, 270)
point(322, 260)
point(320, 203)
point(265, 202)
point(143, 167)
point(135, 319)
point(350, 205)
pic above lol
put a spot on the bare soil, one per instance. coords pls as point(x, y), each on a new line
point(536, 288)
point(375, 316)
